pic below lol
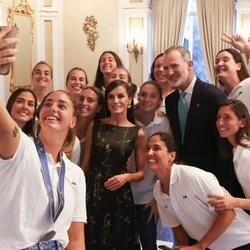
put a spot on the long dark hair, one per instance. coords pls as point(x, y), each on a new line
point(100, 99)
point(127, 87)
point(99, 79)
point(29, 126)
point(242, 136)
point(151, 75)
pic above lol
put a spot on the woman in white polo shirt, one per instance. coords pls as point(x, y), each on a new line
point(42, 193)
point(232, 73)
point(233, 123)
point(181, 195)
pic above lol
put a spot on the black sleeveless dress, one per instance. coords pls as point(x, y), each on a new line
point(110, 214)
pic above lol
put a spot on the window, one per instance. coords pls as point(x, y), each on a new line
point(191, 41)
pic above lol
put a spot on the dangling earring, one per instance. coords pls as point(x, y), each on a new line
point(129, 105)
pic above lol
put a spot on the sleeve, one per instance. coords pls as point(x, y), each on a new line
point(167, 127)
point(167, 215)
point(244, 92)
point(242, 169)
point(76, 152)
point(246, 169)
point(203, 184)
point(17, 158)
point(80, 214)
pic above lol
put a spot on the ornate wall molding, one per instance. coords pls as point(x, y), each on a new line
point(23, 8)
point(89, 28)
point(20, 14)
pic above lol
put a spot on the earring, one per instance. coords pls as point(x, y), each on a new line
point(129, 105)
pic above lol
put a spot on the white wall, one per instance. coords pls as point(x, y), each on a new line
point(76, 51)
point(69, 47)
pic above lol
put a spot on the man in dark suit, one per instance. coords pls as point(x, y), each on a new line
point(197, 135)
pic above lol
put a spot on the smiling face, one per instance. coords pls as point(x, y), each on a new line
point(88, 104)
point(118, 100)
point(149, 98)
point(42, 76)
point(158, 157)
point(225, 67)
point(228, 124)
point(57, 112)
point(107, 63)
point(23, 108)
point(178, 71)
point(119, 74)
point(159, 73)
point(75, 83)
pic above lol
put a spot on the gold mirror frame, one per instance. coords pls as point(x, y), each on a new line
point(21, 15)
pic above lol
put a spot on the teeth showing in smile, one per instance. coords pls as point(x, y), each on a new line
point(84, 109)
point(77, 87)
point(151, 160)
point(147, 105)
point(116, 107)
point(51, 118)
point(107, 68)
point(42, 82)
point(23, 113)
point(222, 129)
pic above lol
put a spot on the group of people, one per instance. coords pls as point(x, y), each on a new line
point(167, 147)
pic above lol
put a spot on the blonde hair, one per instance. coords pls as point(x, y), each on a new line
point(69, 141)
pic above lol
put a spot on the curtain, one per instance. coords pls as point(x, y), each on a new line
point(215, 17)
point(168, 21)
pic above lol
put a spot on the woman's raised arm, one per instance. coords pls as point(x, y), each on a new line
point(9, 134)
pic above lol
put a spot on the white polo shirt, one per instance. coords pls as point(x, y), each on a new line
point(24, 209)
point(143, 190)
point(242, 92)
point(241, 161)
point(187, 205)
point(76, 152)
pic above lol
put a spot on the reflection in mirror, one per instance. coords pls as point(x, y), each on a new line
point(20, 14)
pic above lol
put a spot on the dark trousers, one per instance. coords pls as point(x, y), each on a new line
point(147, 230)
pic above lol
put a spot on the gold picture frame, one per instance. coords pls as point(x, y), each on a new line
point(21, 15)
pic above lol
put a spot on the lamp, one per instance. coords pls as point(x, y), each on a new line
point(135, 49)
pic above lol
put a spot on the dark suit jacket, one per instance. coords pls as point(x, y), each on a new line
point(200, 141)
point(200, 146)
